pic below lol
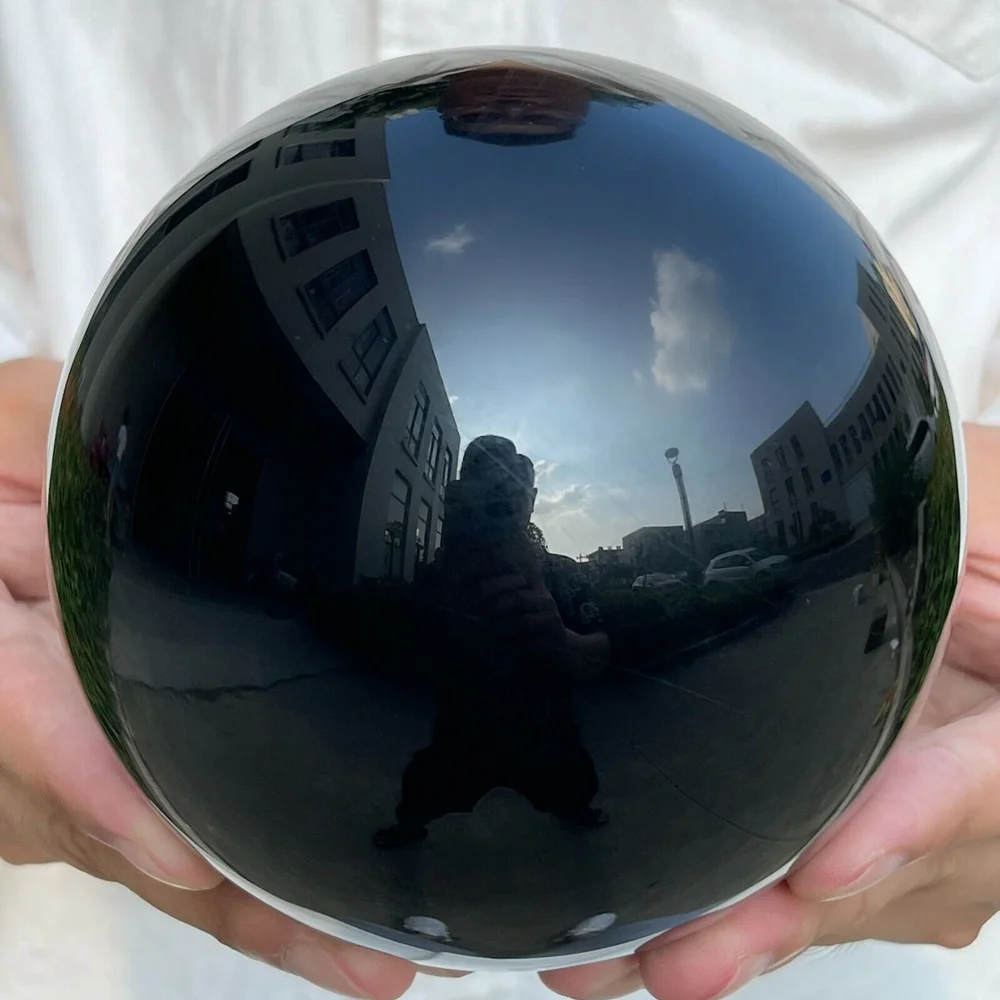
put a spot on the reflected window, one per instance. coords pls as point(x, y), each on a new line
point(765, 464)
point(790, 490)
point(306, 151)
point(866, 431)
point(438, 535)
point(325, 125)
point(415, 423)
point(826, 477)
point(433, 454)
point(846, 449)
point(838, 463)
point(207, 194)
point(796, 447)
point(855, 440)
point(880, 412)
point(395, 527)
point(779, 452)
point(447, 470)
point(309, 227)
point(775, 499)
point(369, 352)
point(807, 480)
point(882, 396)
point(423, 530)
point(330, 296)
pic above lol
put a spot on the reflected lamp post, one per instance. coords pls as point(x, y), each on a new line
point(671, 455)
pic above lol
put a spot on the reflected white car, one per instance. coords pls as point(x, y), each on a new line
point(746, 564)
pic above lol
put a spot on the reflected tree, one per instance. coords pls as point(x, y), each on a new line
point(897, 494)
point(537, 538)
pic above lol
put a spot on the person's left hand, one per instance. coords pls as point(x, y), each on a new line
point(917, 861)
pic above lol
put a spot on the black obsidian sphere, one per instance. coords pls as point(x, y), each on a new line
point(503, 505)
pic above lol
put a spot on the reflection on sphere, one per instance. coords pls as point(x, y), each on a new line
point(507, 512)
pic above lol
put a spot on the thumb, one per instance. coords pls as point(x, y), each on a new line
point(934, 792)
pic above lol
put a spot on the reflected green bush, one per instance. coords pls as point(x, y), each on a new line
point(897, 495)
point(941, 554)
point(77, 527)
point(649, 624)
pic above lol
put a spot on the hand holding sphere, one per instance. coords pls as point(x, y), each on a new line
point(291, 553)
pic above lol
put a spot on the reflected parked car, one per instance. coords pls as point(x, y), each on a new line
point(741, 565)
point(657, 580)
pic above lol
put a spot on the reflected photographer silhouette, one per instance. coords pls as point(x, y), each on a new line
point(517, 631)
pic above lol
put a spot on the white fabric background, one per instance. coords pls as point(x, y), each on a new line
point(107, 103)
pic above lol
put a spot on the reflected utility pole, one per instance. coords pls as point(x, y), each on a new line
point(671, 455)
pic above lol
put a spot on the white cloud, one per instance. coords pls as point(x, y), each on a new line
point(562, 503)
point(452, 243)
point(580, 517)
point(543, 468)
point(691, 332)
point(638, 377)
point(453, 400)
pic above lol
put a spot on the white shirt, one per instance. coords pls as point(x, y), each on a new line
point(108, 103)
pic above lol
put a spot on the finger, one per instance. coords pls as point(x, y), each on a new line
point(932, 792)
point(944, 900)
point(753, 937)
point(616, 977)
point(246, 925)
point(975, 633)
point(708, 958)
point(982, 445)
point(22, 550)
point(27, 393)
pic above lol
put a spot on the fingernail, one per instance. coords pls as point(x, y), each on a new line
point(159, 853)
point(616, 984)
point(316, 965)
point(787, 960)
point(682, 931)
point(749, 969)
point(879, 870)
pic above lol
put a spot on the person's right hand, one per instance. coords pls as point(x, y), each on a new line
point(64, 796)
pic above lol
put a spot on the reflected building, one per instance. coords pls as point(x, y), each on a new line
point(723, 532)
point(815, 475)
point(232, 474)
point(657, 549)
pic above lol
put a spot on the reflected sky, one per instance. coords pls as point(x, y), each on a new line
point(703, 280)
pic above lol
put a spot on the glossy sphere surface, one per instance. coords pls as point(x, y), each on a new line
point(504, 505)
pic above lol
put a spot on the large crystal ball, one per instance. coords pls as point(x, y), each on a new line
point(504, 504)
